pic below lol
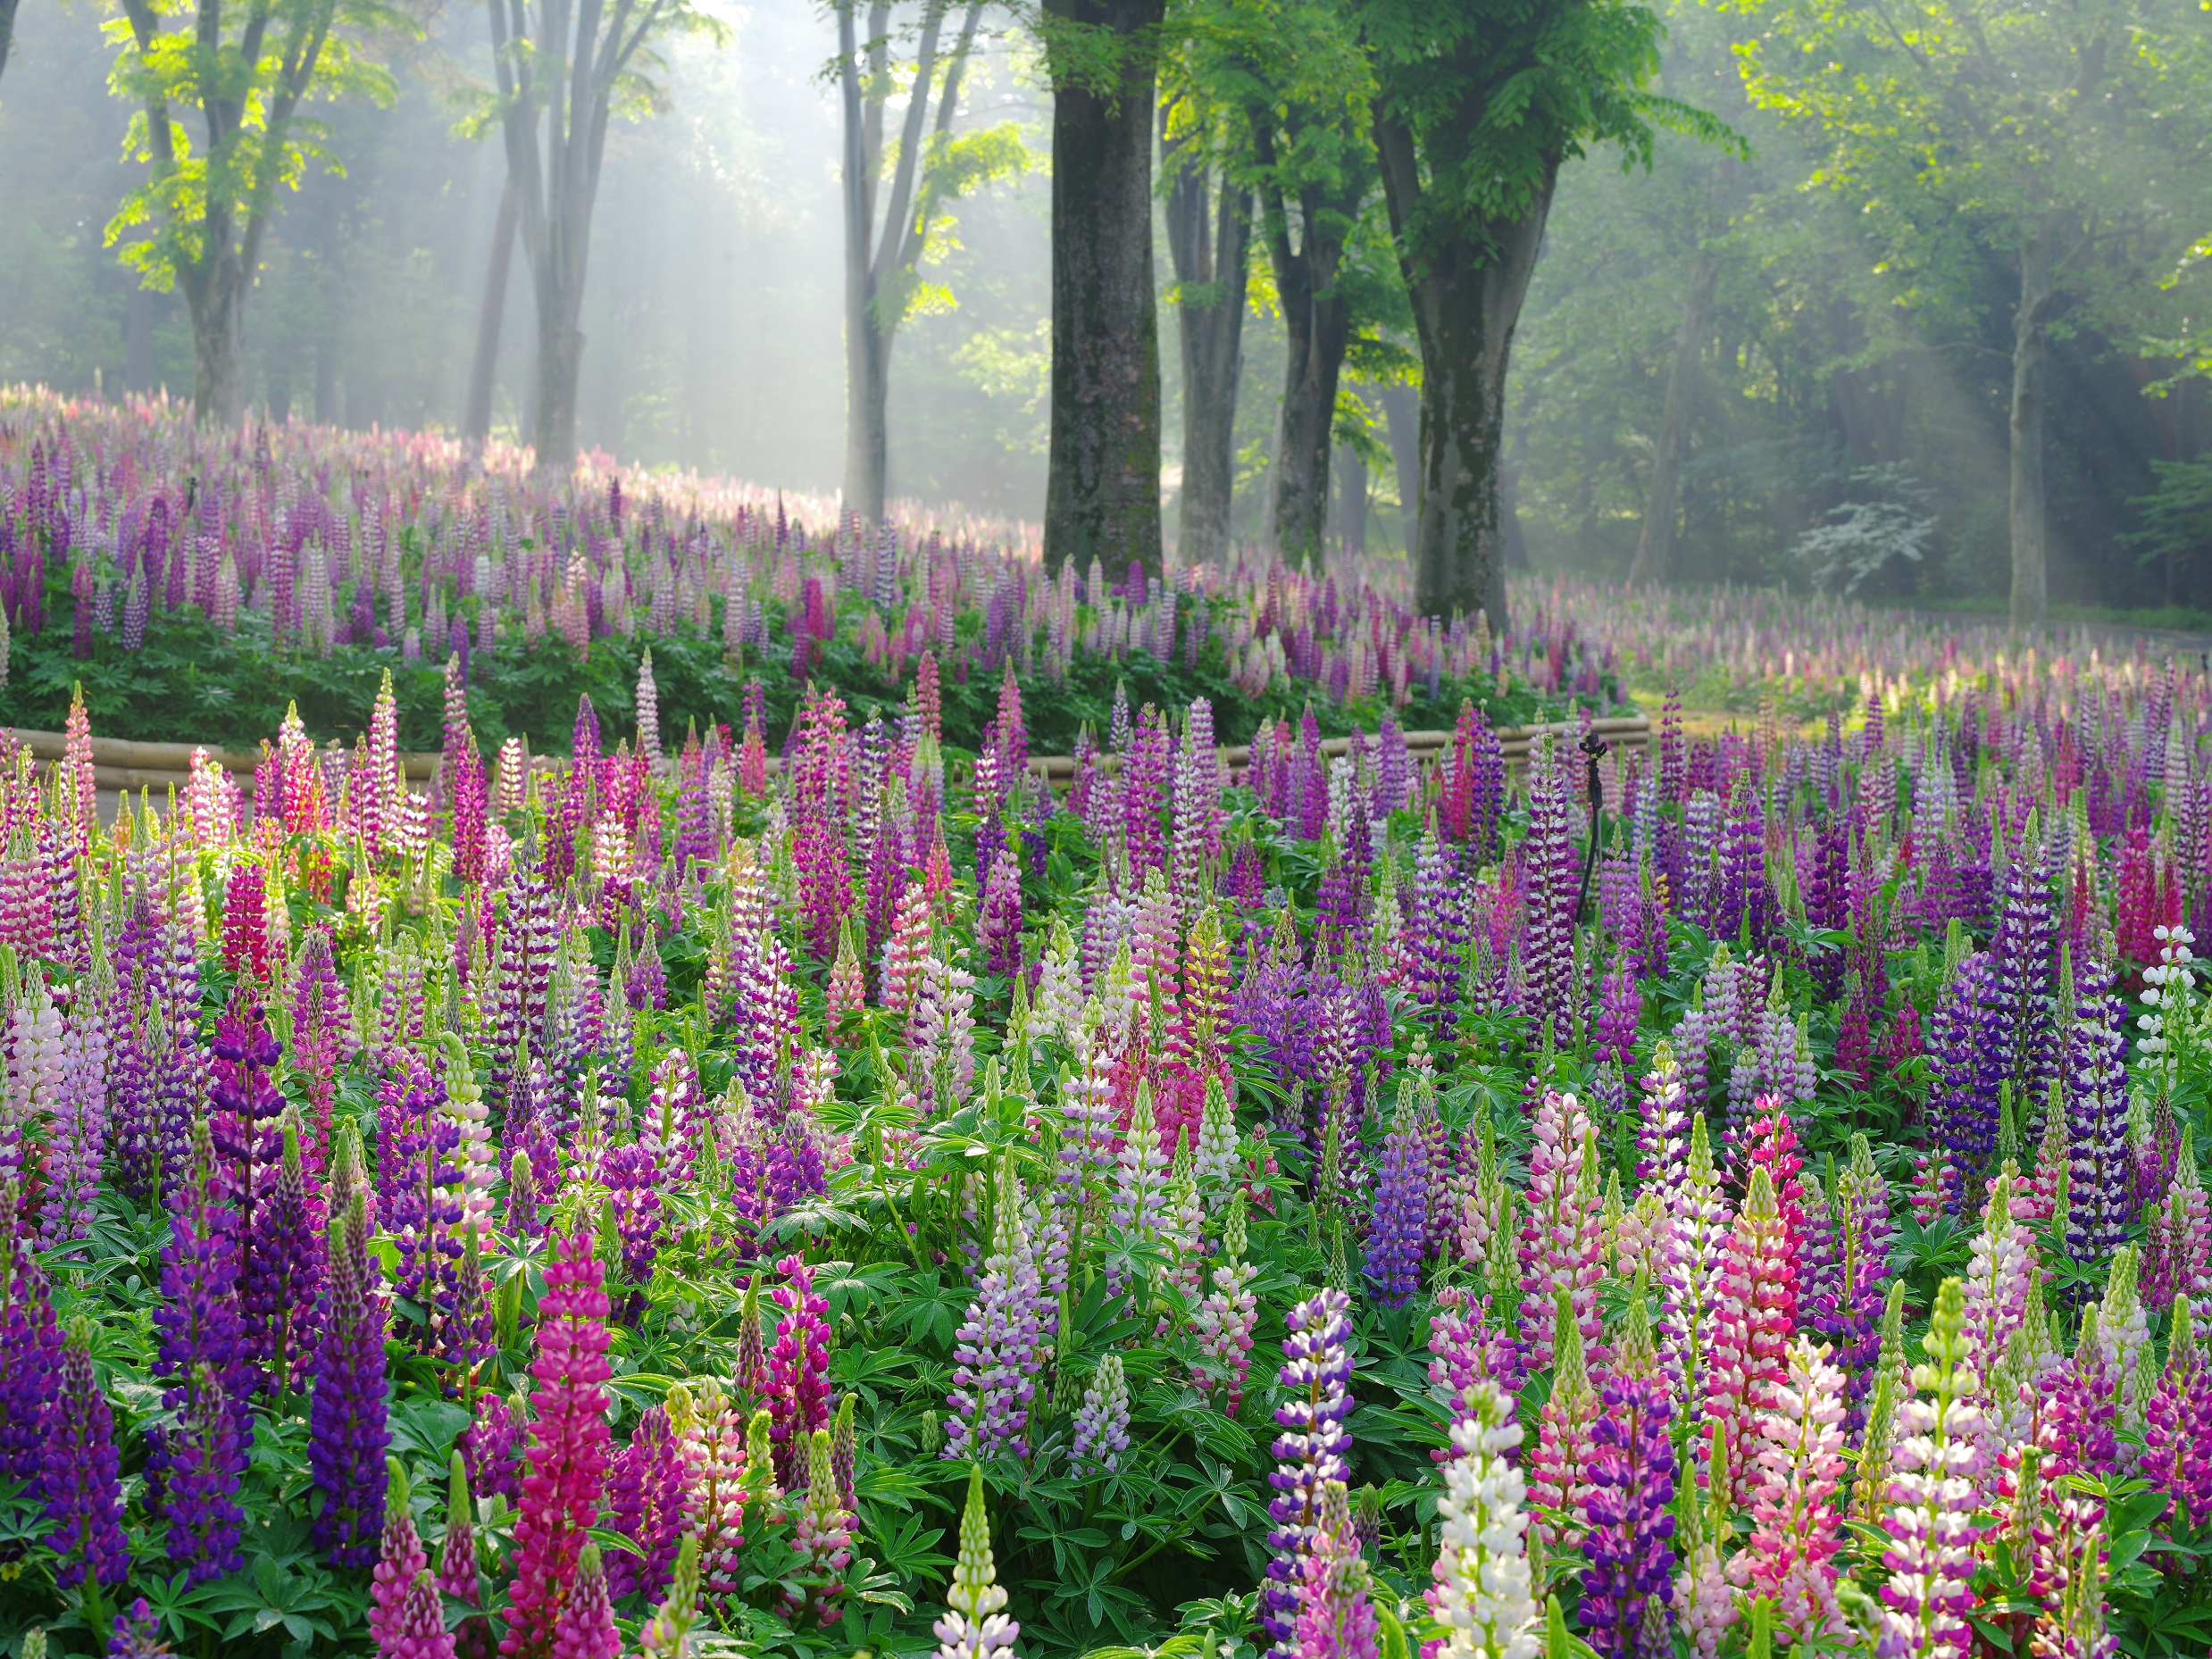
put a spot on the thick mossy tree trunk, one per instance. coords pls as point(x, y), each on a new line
point(1209, 235)
point(2031, 348)
point(1654, 563)
point(1102, 496)
point(1466, 291)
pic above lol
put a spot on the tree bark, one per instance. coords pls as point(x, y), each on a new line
point(491, 319)
point(1468, 291)
point(1401, 410)
point(557, 187)
point(879, 265)
point(216, 296)
point(138, 338)
point(1351, 500)
point(1654, 563)
point(2030, 341)
point(867, 392)
point(1102, 497)
point(1209, 235)
point(1317, 326)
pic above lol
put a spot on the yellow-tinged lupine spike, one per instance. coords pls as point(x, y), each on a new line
point(975, 1593)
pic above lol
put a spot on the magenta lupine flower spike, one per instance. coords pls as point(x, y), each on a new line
point(568, 1449)
point(798, 1367)
point(1310, 1451)
point(2177, 1424)
point(400, 1556)
point(1934, 1470)
point(1336, 1620)
point(585, 1628)
point(1755, 1288)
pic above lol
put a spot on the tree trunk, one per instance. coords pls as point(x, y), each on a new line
point(1351, 500)
point(1208, 242)
point(1317, 326)
point(1102, 498)
point(216, 296)
point(1466, 292)
point(1654, 563)
point(867, 425)
point(560, 366)
point(1401, 410)
point(138, 338)
point(491, 318)
point(7, 32)
point(867, 441)
point(2031, 340)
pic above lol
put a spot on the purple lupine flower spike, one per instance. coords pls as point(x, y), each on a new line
point(1311, 1449)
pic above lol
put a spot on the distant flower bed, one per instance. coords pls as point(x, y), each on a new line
point(197, 585)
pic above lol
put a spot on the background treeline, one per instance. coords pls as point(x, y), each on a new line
point(1782, 342)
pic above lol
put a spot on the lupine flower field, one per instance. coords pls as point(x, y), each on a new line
point(802, 1183)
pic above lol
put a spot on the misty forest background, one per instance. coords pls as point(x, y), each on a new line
point(1843, 422)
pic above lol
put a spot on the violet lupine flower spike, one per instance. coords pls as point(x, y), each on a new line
point(1629, 1544)
point(1400, 1235)
point(1100, 1432)
point(1317, 1377)
point(346, 1436)
point(1002, 1343)
point(80, 1476)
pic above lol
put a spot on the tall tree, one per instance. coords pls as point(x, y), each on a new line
point(1313, 167)
point(1654, 563)
point(1209, 238)
point(1102, 493)
point(888, 233)
point(199, 219)
point(7, 32)
point(491, 315)
point(1971, 130)
point(1478, 104)
point(562, 67)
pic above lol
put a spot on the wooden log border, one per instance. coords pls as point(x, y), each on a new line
point(119, 763)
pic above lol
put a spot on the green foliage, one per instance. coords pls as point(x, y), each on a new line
point(245, 72)
point(1496, 94)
